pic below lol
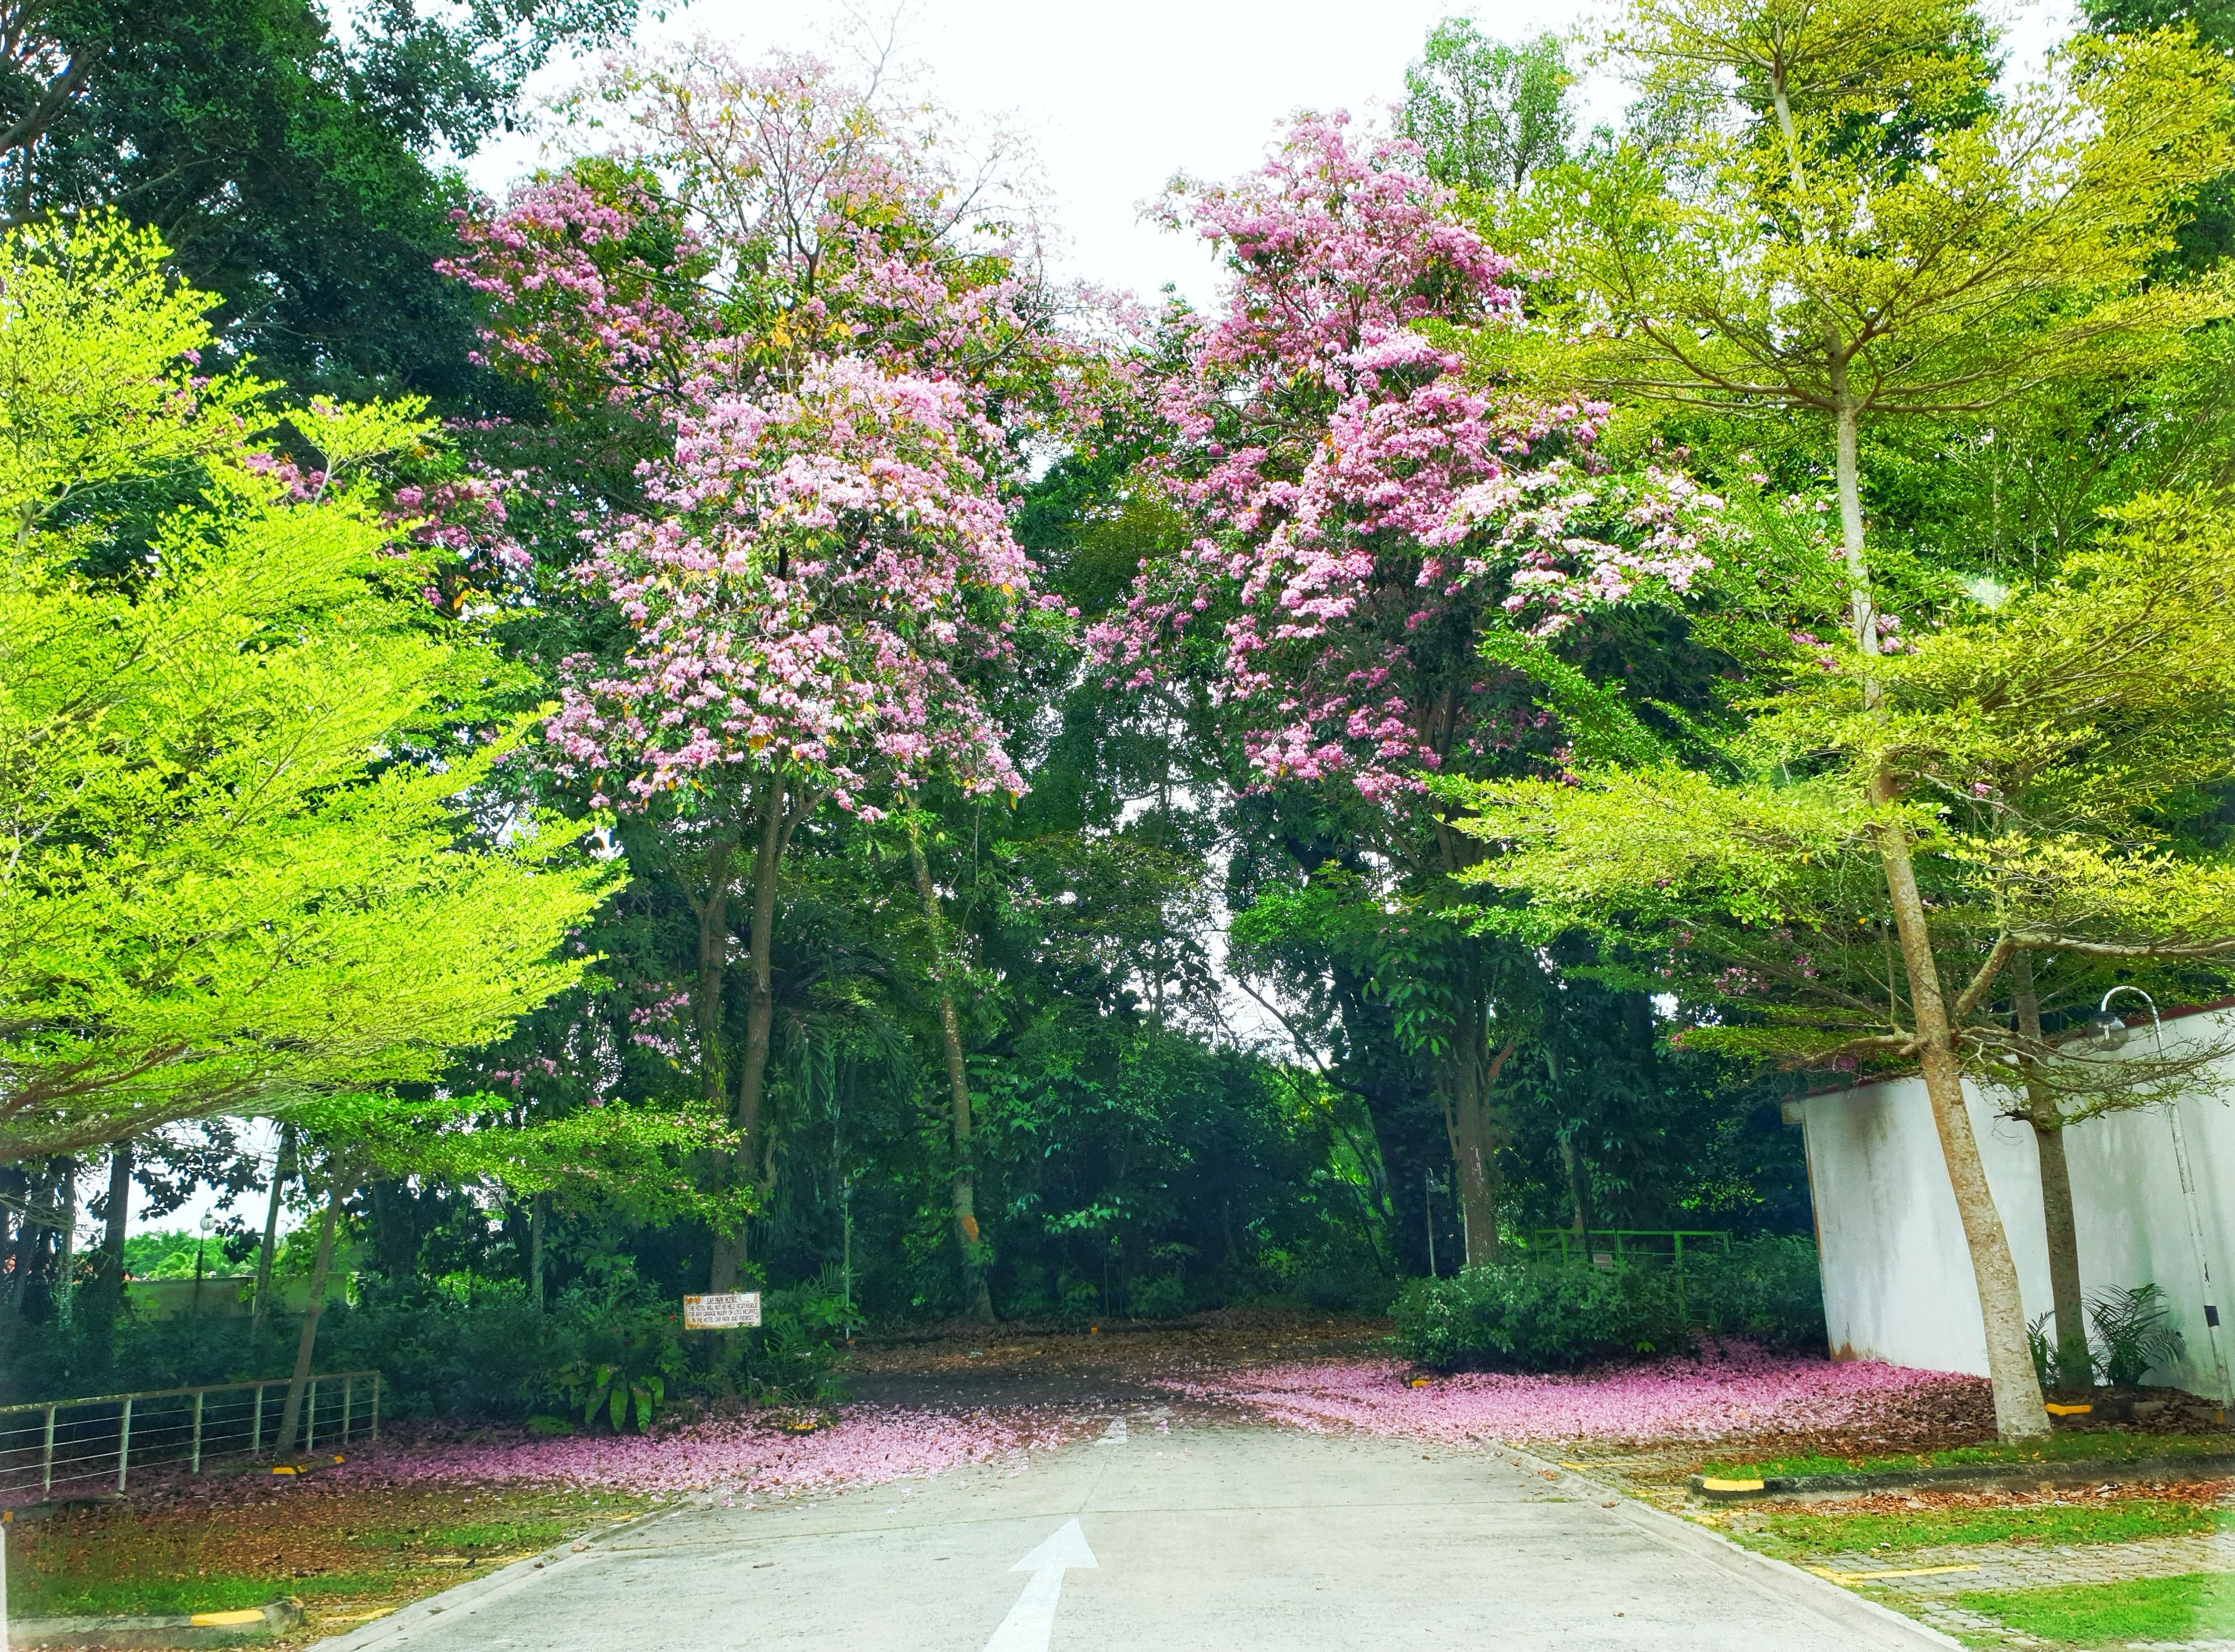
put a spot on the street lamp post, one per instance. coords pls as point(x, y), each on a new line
point(2109, 1033)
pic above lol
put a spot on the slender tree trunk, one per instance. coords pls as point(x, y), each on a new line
point(1471, 1073)
point(66, 1251)
point(2018, 1411)
point(118, 1216)
point(753, 1158)
point(2074, 1371)
point(536, 1249)
point(977, 1296)
point(283, 1172)
point(290, 1413)
point(713, 913)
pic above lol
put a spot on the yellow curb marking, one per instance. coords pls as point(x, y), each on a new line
point(1871, 1577)
point(1708, 1483)
point(226, 1619)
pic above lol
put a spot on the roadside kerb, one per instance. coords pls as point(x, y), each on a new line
point(1877, 1625)
point(1969, 1476)
point(169, 1630)
point(480, 1591)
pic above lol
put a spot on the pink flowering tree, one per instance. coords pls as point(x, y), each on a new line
point(1365, 517)
point(825, 342)
point(821, 568)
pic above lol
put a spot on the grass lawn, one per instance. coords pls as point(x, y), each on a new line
point(2198, 1606)
point(346, 1551)
point(2107, 1446)
point(2110, 1522)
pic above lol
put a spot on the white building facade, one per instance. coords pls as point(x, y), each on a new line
point(1897, 1283)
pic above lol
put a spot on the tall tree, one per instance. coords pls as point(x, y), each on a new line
point(1906, 273)
point(1361, 515)
point(1487, 115)
point(238, 746)
point(814, 318)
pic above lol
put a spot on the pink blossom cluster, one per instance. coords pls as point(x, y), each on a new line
point(818, 565)
point(751, 1454)
point(779, 281)
point(1357, 495)
point(578, 303)
point(1741, 1393)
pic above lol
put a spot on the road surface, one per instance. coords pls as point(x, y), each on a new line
point(1202, 1537)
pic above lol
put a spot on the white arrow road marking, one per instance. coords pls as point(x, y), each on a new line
point(1030, 1622)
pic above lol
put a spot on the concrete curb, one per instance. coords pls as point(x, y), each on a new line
point(479, 1591)
point(1871, 1623)
point(168, 1629)
point(1985, 1477)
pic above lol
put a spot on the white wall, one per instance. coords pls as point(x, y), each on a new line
point(1898, 1283)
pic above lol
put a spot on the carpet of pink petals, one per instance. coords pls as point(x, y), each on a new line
point(1743, 1392)
point(739, 1456)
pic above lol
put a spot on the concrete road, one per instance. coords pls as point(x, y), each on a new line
point(1204, 1537)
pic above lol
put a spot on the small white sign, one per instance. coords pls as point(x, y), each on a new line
point(732, 1311)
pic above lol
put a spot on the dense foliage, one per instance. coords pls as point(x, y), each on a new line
point(1549, 1315)
point(844, 764)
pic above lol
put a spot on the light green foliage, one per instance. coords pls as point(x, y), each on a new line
point(2029, 748)
point(236, 744)
point(1911, 267)
point(1487, 115)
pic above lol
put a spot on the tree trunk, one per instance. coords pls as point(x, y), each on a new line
point(2018, 1411)
point(283, 1170)
point(2074, 1371)
point(119, 1215)
point(977, 1296)
point(66, 1250)
point(713, 913)
point(754, 1160)
point(1474, 1138)
point(536, 1249)
point(290, 1413)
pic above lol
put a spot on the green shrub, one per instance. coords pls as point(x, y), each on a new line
point(1768, 1291)
point(1537, 1315)
point(1162, 1298)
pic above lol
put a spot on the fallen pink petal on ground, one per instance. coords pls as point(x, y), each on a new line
point(1743, 1392)
point(868, 1445)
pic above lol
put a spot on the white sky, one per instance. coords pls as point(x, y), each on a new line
point(1114, 98)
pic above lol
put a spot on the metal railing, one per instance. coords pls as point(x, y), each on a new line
point(101, 1439)
point(1607, 1246)
point(1630, 1247)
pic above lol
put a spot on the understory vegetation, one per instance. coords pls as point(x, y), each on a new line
point(1540, 1315)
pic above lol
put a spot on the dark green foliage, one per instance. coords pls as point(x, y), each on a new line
point(1537, 1315)
point(2133, 1328)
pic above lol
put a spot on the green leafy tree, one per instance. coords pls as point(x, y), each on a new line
point(2025, 754)
point(238, 867)
point(1489, 116)
point(1792, 256)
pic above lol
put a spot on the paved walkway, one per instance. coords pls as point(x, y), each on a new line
point(1200, 1539)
